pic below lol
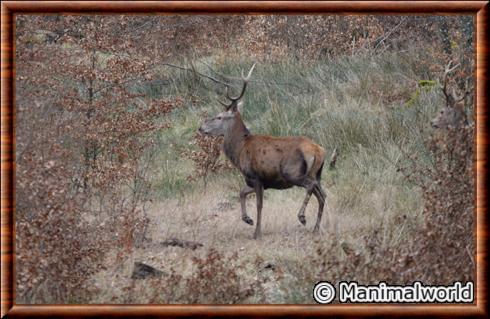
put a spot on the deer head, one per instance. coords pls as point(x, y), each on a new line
point(219, 124)
point(452, 114)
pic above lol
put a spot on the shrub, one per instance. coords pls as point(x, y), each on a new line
point(207, 159)
point(443, 251)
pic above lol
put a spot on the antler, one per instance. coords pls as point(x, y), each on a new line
point(227, 106)
point(459, 98)
point(453, 97)
point(234, 99)
point(448, 69)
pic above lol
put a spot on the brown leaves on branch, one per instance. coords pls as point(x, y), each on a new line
point(443, 250)
point(207, 158)
point(84, 137)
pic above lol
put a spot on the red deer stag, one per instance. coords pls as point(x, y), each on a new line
point(453, 113)
point(268, 161)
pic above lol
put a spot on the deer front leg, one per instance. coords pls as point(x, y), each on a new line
point(259, 193)
point(246, 190)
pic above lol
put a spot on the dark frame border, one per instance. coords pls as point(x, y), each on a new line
point(10, 8)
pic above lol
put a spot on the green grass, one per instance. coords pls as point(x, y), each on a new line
point(328, 101)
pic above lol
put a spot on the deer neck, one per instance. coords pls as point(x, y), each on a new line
point(234, 140)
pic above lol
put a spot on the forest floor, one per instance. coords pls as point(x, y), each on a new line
point(212, 218)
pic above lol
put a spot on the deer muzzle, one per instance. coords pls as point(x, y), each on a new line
point(202, 131)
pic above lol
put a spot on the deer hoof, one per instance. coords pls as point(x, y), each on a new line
point(302, 219)
point(316, 230)
point(257, 235)
point(248, 220)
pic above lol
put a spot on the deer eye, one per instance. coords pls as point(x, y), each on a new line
point(219, 117)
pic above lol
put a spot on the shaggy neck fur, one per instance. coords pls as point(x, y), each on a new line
point(235, 137)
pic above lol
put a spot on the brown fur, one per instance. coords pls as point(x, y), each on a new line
point(279, 160)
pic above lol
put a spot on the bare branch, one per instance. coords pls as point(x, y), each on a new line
point(383, 38)
point(193, 70)
point(251, 81)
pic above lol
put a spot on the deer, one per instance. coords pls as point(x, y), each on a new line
point(452, 114)
point(268, 162)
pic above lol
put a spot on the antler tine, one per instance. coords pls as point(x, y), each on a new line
point(245, 82)
point(227, 106)
point(467, 91)
point(447, 69)
point(249, 73)
point(228, 93)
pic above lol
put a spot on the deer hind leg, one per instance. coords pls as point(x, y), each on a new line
point(320, 196)
point(259, 193)
point(244, 192)
point(296, 171)
point(309, 190)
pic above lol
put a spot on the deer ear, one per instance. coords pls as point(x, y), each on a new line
point(459, 106)
point(239, 106)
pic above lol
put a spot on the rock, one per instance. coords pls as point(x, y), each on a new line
point(270, 266)
point(142, 271)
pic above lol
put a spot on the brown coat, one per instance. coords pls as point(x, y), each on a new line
point(280, 162)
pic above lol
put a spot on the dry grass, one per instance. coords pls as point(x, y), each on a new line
point(284, 255)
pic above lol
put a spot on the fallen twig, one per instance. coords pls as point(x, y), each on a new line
point(181, 243)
